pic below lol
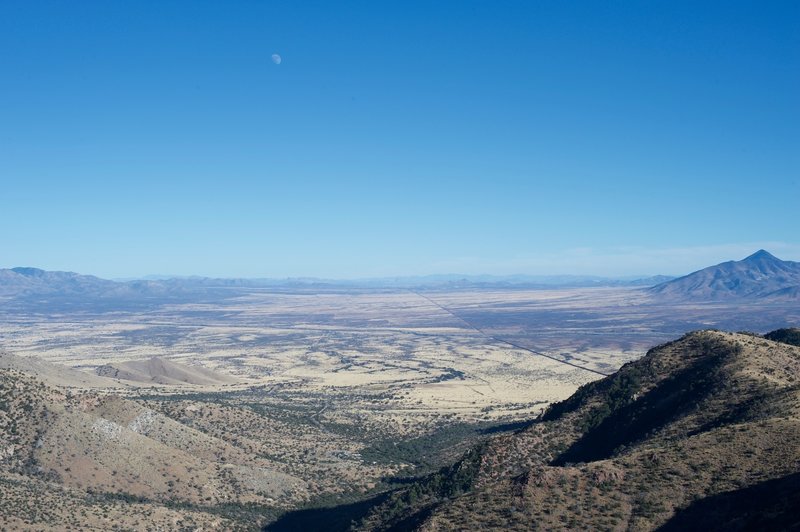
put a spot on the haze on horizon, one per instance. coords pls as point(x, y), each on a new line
point(413, 139)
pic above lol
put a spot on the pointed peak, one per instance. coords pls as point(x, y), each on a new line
point(761, 254)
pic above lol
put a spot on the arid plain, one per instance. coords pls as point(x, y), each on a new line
point(285, 398)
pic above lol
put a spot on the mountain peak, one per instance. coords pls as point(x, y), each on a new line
point(758, 275)
point(761, 254)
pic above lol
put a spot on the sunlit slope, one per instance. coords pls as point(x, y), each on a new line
point(162, 371)
point(88, 443)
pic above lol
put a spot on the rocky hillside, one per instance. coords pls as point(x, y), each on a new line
point(702, 432)
point(101, 460)
point(761, 275)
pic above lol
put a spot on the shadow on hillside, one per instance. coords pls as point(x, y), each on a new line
point(673, 398)
point(506, 427)
point(770, 505)
point(332, 519)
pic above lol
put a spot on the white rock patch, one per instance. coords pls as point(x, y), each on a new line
point(107, 428)
point(143, 422)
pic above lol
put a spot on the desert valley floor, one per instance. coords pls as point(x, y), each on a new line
point(285, 398)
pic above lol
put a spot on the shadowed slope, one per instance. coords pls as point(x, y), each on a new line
point(709, 414)
point(769, 505)
point(786, 336)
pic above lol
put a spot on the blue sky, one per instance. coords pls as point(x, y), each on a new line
point(612, 138)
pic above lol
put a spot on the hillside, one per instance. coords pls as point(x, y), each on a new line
point(82, 451)
point(102, 460)
point(55, 374)
point(787, 336)
point(761, 275)
point(161, 371)
point(703, 431)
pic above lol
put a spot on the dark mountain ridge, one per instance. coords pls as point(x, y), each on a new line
point(691, 428)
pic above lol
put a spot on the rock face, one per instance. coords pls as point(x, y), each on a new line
point(759, 276)
point(695, 429)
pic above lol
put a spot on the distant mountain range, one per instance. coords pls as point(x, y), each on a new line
point(21, 283)
point(33, 280)
point(759, 276)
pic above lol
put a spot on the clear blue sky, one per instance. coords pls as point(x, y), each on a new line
point(397, 137)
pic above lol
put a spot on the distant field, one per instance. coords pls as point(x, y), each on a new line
point(398, 360)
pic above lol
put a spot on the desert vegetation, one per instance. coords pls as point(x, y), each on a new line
point(693, 426)
point(261, 405)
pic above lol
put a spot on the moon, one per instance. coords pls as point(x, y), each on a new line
point(276, 58)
